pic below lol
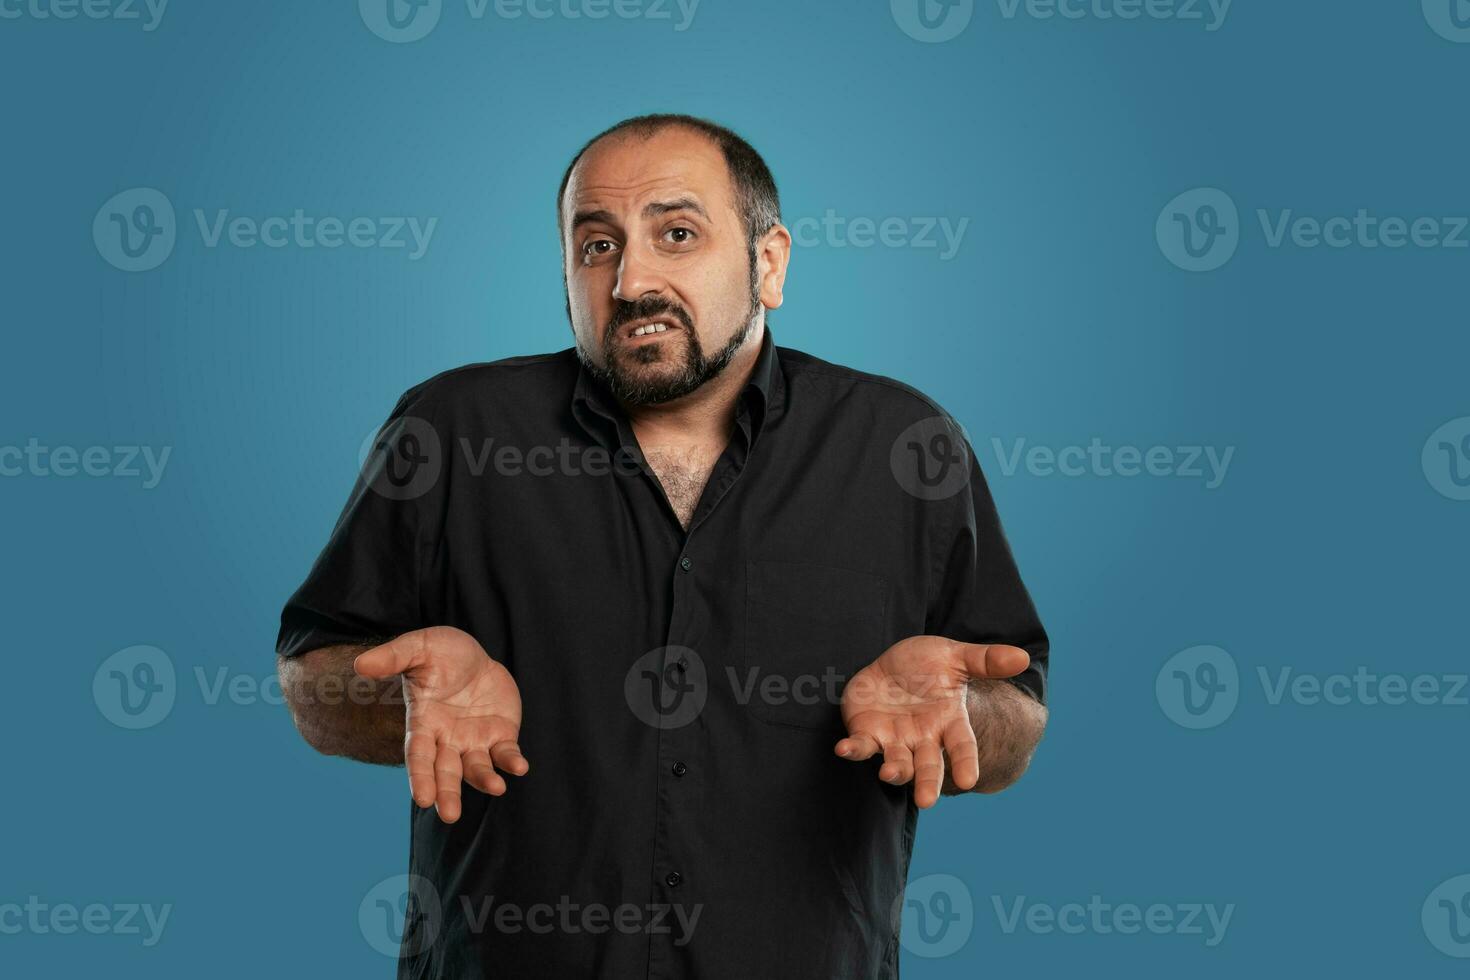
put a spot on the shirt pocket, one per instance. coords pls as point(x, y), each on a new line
point(808, 629)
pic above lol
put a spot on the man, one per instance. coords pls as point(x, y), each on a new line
point(745, 611)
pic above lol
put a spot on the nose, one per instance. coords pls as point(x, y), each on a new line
point(638, 274)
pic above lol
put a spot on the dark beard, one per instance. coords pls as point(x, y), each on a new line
point(695, 370)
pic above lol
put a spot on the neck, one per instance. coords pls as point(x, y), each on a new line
point(706, 413)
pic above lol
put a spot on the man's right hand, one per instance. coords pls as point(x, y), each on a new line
point(463, 714)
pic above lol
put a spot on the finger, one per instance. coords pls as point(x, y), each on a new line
point(994, 660)
point(447, 775)
point(418, 757)
point(393, 657)
point(857, 747)
point(964, 754)
point(928, 773)
point(508, 758)
point(898, 763)
point(480, 774)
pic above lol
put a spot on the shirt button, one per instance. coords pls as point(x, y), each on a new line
point(673, 878)
point(685, 563)
point(680, 769)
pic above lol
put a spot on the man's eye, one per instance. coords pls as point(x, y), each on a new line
point(686, 233)
point(594, 247)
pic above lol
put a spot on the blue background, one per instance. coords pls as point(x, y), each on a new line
point(1060, 319)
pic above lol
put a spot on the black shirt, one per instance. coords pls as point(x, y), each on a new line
point(685, 815)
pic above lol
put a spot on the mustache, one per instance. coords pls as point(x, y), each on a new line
point(650, 306)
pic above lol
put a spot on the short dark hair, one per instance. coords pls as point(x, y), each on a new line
point(755, 189)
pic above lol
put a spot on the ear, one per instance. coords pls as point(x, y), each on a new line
point(772, 256)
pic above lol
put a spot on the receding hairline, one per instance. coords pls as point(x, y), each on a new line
point(643, 132)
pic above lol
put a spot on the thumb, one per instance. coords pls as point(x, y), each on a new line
point(398, 655)
point(993, 660)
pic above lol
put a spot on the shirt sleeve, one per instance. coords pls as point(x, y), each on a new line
point(980, 597)
point(364, 587)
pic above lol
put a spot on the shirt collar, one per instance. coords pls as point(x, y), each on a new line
point(762, 400)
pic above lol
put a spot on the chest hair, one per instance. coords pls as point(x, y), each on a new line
point(683, 474)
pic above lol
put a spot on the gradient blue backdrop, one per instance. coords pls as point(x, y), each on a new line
point(1326, 548)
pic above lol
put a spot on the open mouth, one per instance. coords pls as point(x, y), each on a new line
point(641, 329)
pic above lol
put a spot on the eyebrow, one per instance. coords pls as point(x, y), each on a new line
point(650, 210)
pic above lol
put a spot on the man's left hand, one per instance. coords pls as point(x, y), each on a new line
point(911, 705)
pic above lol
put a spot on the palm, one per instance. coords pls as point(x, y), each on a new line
point(464, 702)
point(912, 686)
point(910, 705)
point(462, 719)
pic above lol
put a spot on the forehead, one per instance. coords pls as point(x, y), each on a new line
point(622, 172)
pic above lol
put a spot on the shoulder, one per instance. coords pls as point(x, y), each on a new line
point(821, 384)
point(524, 382)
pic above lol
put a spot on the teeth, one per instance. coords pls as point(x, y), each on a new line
point(650, 328)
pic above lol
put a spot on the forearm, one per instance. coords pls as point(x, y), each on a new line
point(340, 713)
point(1008, 724)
